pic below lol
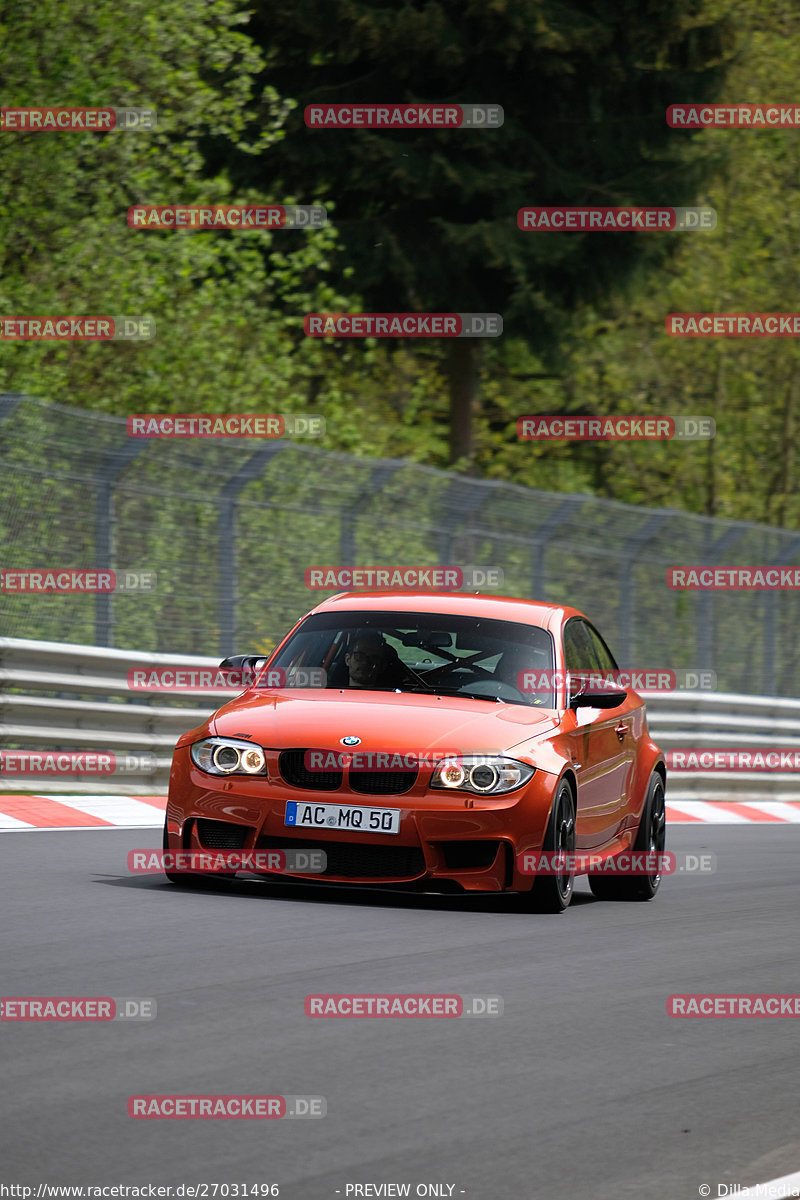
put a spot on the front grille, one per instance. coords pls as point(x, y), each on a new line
point(353, 860)
point(221, 835)
point(291, 765)
point(381, 783)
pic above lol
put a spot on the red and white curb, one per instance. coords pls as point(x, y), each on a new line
point(80, 812)
point(19, 812)
point(732, 812)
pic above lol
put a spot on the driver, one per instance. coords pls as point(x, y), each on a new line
point(371, 663)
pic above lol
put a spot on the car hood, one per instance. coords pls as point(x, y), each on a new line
point(391, 723)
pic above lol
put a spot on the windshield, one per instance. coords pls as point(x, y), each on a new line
point(420, 652)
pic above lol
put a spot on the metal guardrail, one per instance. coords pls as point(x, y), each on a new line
point(63, 696)
point(724, 720)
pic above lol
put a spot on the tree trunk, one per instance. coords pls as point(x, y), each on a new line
point(462, 372)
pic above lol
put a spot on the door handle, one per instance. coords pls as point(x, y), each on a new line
point(621, 730)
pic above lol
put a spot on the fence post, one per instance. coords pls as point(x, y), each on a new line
point(226, 541)
point(379, 477)
point(459, 514)
point(628, 556)
point(770, 605)
point(9, 402)
point(104, 523)
point(705, 600)
point(542, 538)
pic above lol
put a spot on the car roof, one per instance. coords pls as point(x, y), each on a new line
point(500, 608)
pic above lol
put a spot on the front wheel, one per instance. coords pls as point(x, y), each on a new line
point(650, 839)
point(552, 893)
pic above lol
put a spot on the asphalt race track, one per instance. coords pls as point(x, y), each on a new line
point(584, 1086)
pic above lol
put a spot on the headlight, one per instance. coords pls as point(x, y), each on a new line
point(486, 776)
point(228, 756)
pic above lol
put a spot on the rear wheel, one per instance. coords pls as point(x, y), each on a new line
point(552, 893)
point(650, 839)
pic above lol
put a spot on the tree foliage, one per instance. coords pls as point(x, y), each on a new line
point(428, 218)
point(419, 221)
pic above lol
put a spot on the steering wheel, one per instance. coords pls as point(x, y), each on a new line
point(498, 688)
point(485, 683)
point(464, 664)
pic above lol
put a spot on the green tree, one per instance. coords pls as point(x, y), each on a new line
point(428, 219)
point(618, 357)
point(65, 246)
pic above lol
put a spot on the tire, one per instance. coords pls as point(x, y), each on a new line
point(553, 893)
point(650, 839)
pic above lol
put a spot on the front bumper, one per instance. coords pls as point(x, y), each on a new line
point(446, 841)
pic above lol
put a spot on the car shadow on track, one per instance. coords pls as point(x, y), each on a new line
point(342, 894)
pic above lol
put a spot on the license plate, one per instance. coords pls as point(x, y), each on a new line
point(342, 816)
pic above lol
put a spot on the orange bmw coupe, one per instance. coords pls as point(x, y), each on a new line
point(431, 741)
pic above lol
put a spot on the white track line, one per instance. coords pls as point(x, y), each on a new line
point(8, 822)
point(775, 1189)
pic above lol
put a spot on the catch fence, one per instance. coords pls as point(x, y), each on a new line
point(230, 526)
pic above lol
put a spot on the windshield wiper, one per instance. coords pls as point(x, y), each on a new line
point(438, 691)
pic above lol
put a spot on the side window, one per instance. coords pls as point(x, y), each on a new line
point(605, 659)
point(577, 647)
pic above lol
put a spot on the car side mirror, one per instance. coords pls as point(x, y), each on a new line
point(247, 665)
point(599, 695)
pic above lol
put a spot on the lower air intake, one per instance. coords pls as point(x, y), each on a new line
point(221, 835)
point(352, 860)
